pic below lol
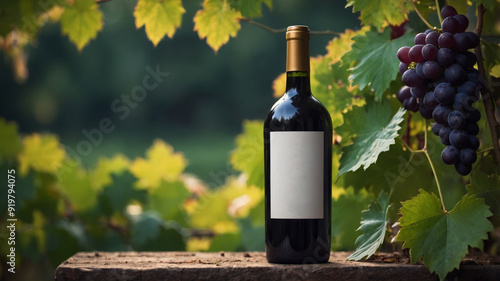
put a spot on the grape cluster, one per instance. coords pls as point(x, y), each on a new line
point(442, 84)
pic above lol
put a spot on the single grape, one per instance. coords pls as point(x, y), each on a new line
point(429, 52)
point(403, 94)
point(450, 155)
point(430, 101)
point(446, 40)
point(468, 87)
point(436, 127)
point(474, 39)
point(444, 93)
point(432, 69)
point(462, 42)
point(448, 11)
point(459, 138)
point(403, 67)
point(440, 114)
point(473, 115)
point(462, 102)
point(463, 22)
point(456, 119)
point(444, 135)
point(420, 38)
point(403, 55)
point(450, 25)
point(411, 104)
point(415, 53)
point(425, 112)
point(473, 142)
point(411, 79)
point(468, 156)
point(445, 57)
point(419, 91)
point(419, 68)
point(466, 59)
point(455, 74)
point(432, 38)
point(471, 128)
point(462, 168)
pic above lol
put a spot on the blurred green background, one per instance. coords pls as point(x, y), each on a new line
point(198, 108)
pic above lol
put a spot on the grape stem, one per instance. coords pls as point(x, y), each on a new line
point(439, 11)
point(485, 91)
point(420, 15)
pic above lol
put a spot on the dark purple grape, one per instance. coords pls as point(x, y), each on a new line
point(450, 25)
point(432, 38)
point(445, 57)
point(403, 94)
point(436, 127)
point(463, 22)
point(419, 91)
point(462, 102)
point(455, 74)
point(450, 155)
point(440, 114)
point(429, 52)
point(420, 38)
point(456, 119)
point(448, 11)
point(430, 101)
point(473, 115)
point(432, 69)
point(473, 75)
point(403, 55)
point(446, 40)
point(411, 79)
point(474, 39)
point(471, 128)
point(463, 169)
point(403, 67)
point(425, 112)
point(444, 93)
point(466, 59)
point(459, 138)
point(468, 87)
point(444, 135)
point(419, 68)
point(428, 30)
point(473, 142)
point(415, 53)
point(462, 42)
point(468, 156)
point(411, 104)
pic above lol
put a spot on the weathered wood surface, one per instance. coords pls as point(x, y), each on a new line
point(146, 266)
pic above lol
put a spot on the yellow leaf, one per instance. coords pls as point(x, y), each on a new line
point(338, 46)
point(279, 85)
point(81, 21)
point(101, 175)
point(495, 71)
point(160, 17)
point(161, 163)
point(43, 153)
point(217, 22)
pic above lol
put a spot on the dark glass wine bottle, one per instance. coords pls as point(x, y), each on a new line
point(298, 165)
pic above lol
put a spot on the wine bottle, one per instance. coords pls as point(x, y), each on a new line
point(298, 165)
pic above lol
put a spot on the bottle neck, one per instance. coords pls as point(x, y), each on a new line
point(298, 82)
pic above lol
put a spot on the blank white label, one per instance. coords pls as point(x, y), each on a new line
point(297, 175)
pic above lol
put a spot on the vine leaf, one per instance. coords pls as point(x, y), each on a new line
point(159, 17)
point(248, 155)
point(10, 143)
point(101, 175)
point(74, 184)
point(380, 13)
point(217, 22)
point(43, 153)
point(373, 54)
point(488, 4)
point(442, 239)
point(375, 132)
point(487, 187)
point(251, 8)
point(168, 198)
point(161, 163)
point(373, 225)
point(492, 58)
point(81, 21)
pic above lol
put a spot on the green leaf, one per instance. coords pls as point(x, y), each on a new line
point(373, 225)
point(252, 236)
point(375, 131)
point(10, 142)
point(491, 57)
point(74, 183)
point(116, 196)
point(488, 4)
point(43, 153)
point(225, 242)
point(250, 8)
point(160, 17)
point(150, 233)
point(81, 21)
point(376, 56)
point(487, 187)
point(379, 13)
point(248, 156)
point(217, 22)
point(101, 175)
point(442, 239)
point(346, 214)
point(168, 198)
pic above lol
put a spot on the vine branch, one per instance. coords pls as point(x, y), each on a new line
point(440, 17)
point(485, 91)
point(420, 15)
point(283, 30)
